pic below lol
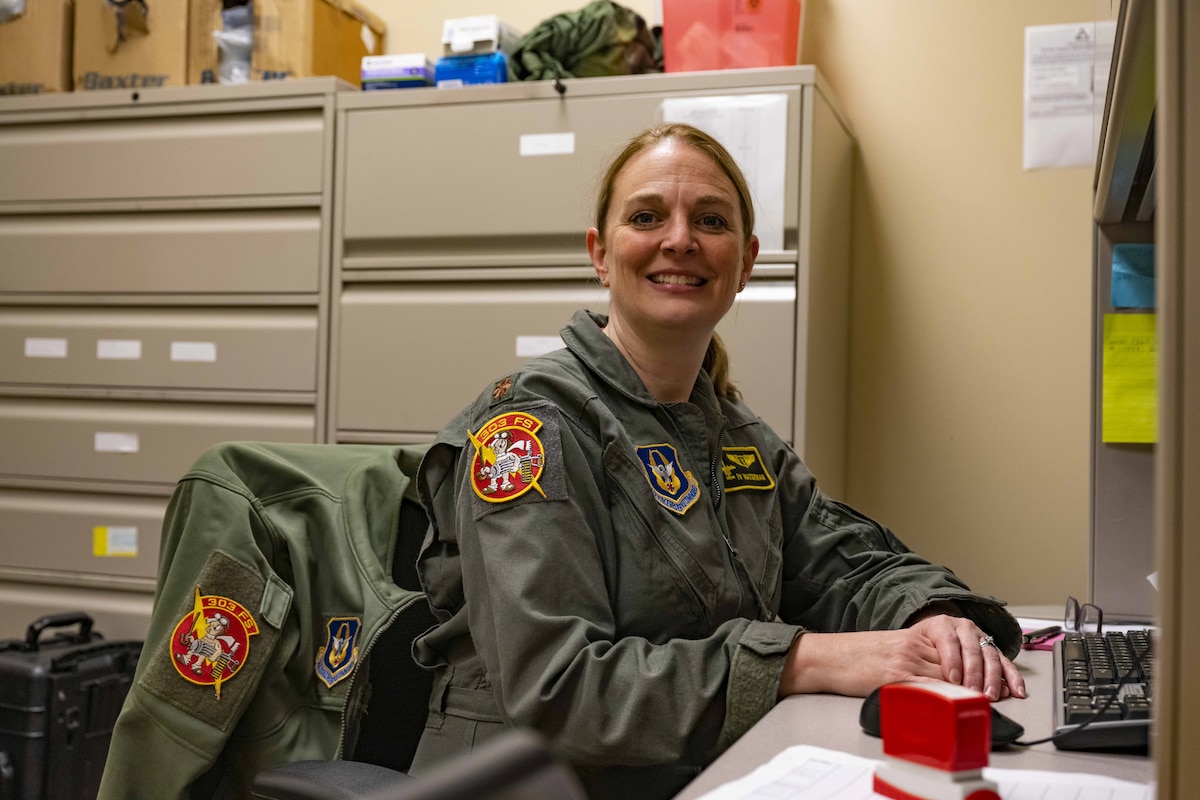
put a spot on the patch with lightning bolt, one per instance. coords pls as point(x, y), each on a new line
point(339, 655)
point(212, 641)
point(673, 487)
point(510, 458)
point(743, 468)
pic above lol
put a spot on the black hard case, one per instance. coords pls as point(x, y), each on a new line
point(59, 698)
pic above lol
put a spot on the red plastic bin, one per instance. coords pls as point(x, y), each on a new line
point(729, 34)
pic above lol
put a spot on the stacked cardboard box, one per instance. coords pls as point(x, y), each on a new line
point(151, 43)
point(35, 49)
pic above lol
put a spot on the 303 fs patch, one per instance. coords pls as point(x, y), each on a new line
point(212, 642)
point(509, 457)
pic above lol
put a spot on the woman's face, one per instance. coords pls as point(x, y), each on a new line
point(674, 253)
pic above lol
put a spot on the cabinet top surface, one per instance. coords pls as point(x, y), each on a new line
point(714, 80)
point(170, 97)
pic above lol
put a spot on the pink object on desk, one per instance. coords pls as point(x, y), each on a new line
point(1042, 642)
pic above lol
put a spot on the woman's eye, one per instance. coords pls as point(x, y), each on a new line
point(642, 218)
point(712, 221)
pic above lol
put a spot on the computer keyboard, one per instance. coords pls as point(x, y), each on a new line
point(1089, 669)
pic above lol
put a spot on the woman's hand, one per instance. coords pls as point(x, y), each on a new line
point(935, 648)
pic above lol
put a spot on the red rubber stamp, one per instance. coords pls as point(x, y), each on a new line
point(936, 740)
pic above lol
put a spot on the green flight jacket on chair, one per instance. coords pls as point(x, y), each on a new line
point(274, 582)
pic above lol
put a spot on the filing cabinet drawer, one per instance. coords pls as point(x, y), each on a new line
point(205, 251)
point(194, 348)
point(445, 342)
point(213, 155)
point(521, 174)
point(112, 441)
point(116, 614)
point(84, 534)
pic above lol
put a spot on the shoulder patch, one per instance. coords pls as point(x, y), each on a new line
point(212, 641)
point(673, 488)
point(338, 657)
point(509, 457)
point(743, 468)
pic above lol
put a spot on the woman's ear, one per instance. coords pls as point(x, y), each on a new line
point(597, 252)
point(748, 259)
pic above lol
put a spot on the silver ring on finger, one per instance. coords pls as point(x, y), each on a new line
point(986, 641)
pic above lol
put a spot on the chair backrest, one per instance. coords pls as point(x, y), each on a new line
point(399, 705)
point(516, 765)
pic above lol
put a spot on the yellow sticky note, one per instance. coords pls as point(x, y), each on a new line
point(1130, 402)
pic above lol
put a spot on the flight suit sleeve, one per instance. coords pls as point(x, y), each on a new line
point(537, 593)
point(842, 571)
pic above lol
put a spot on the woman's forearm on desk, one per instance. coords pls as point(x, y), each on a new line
point(936, 648)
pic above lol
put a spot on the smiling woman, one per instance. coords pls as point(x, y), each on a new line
point(625, 557)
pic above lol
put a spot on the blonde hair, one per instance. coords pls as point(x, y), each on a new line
point(716, 359)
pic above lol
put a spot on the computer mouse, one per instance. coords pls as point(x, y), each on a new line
point(1004, 730)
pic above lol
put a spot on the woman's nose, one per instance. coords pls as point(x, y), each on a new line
point(678, 236)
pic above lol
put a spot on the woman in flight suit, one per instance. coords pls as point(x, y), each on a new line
point(625, 558)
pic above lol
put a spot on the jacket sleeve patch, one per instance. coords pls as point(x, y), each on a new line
point(216, 652)
point(744, 468)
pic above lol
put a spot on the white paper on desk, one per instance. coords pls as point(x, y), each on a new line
point(814, 773)
point(753, 128)
point(1066, 80)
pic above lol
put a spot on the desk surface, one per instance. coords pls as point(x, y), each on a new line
point(831, 721)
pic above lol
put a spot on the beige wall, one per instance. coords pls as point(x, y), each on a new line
point(970, 349)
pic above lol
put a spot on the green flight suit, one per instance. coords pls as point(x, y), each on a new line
point(627, 576)
point(294, 542)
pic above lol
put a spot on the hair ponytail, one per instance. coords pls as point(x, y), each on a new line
point(716, 364)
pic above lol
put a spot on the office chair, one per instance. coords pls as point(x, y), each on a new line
point(516, 765)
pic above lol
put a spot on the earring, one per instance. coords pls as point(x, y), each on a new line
point(741, 286)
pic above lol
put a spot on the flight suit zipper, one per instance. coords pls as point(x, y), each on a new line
point(739, 567)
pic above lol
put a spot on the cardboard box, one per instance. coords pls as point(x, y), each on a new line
point(479, 35)
point(204, 18)
point(35, 49)
point(398, 71)
point(126, 49)
point(308, 38)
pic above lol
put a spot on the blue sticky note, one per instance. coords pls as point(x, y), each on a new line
point(1133, 276)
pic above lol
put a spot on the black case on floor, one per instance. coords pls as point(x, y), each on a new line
point(59, 698)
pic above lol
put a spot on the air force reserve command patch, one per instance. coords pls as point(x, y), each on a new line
point(212, 641)
point(509, 457)
point(673, 488)
point(743, 468)
point(339, 655)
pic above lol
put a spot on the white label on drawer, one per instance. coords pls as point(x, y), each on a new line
point(114, 541)
point(547, 144)
point(530, 346)
point(45, 348)
point(119, 349)
point(116, 442)
point(193, 351)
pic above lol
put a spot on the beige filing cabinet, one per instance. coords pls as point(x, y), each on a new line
point(164, 285)
point(459, 242)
